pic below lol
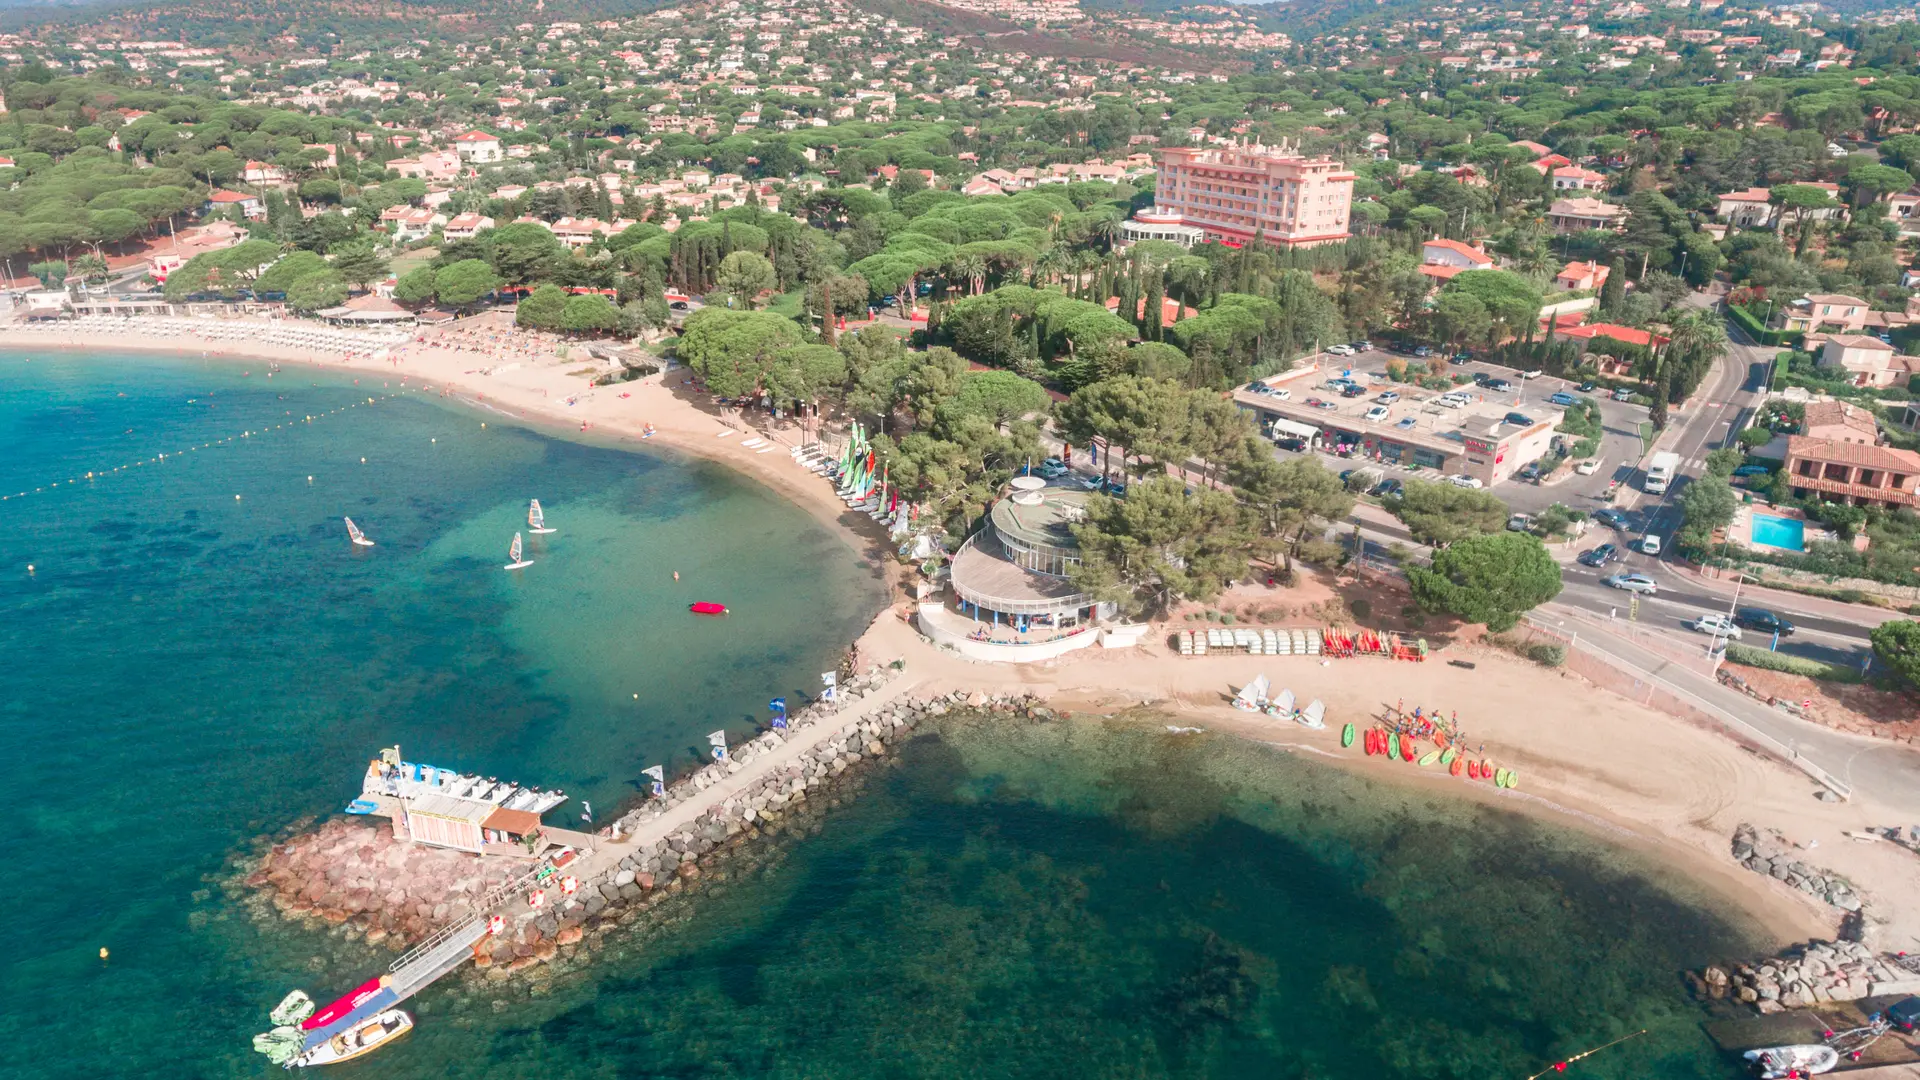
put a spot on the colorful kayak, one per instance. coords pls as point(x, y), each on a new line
point(1500, 778)
point(706, 607)
point(1473, 770)
point(1486, 770)
point(1513, 779)
point(1407, 750)
point(1457, 762)
point(1447, 755)
point(1393, 744)
point(1346, 735)
point(1429, 758)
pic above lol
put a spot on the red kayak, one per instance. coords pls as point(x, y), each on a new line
point(706, 607)
point(1406, 749)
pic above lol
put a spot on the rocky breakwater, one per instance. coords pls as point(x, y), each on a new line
point(353, 873)
point(1771, 855)
point(726, 820)
point(1805, 975)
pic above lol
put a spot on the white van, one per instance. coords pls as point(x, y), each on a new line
point(1451, 401)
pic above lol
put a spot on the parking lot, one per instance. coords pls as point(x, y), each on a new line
point(1415, 408)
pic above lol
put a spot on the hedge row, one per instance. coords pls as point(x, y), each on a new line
point(1792, 665)
point(1758, 331)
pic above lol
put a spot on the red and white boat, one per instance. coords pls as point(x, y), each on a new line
point(707, 607)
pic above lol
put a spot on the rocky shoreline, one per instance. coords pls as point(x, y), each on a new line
point(354, 879)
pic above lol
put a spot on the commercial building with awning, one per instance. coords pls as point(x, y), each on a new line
point(1282, 426)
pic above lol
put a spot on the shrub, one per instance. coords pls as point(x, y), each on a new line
point(1548, 655)
point(1755, 437)
point(1361, 609)
point(1792, 665)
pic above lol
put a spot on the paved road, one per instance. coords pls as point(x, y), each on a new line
point(1875, 769)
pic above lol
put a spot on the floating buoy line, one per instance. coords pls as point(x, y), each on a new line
point(101, 474)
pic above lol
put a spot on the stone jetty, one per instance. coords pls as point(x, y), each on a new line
point(1808, 974)
point(354, 876)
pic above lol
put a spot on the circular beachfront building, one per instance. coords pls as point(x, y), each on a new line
point(1010, 586)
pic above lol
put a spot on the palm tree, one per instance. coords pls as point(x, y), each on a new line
point(1050, 265)
point(970, 266)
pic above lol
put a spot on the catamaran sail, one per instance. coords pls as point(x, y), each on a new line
point(514, 554)
point(537, 519)
point(1253, 696)
point(354, 534)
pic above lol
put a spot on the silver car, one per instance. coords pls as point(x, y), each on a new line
point(1633, 583)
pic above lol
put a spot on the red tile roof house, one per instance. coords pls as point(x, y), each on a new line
point(1866, 361)
point(1610, 365)
point(1581, 275)
point(1853, 473)
point(1442, 259)
point(222, 201)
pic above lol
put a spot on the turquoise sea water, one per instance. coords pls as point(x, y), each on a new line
point(187, 671)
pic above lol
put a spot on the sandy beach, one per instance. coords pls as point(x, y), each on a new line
point(1587, 758)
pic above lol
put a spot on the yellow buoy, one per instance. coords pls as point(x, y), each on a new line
point(363, 461)
point(103, 952)
point(236, 498)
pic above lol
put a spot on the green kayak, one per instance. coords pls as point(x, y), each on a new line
point(1447, 758)
point(1346, 735)
point(1429, 758)
point(1393, 744)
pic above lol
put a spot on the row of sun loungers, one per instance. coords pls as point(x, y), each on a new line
point(1303, 642)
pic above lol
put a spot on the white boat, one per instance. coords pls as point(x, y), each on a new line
point(1253, 696)
point(1780, 1062)
point(354, 534)
point(514, 554)
point(537, 519)
point(377, 1032)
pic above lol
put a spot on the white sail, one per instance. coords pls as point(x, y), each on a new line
point(537, 518)
point(354, 534)
point(514, 554)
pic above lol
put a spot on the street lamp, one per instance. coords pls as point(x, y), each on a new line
point(1719, 658)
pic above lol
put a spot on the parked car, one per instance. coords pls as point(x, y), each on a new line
point(1053, 468)
point(1633, 583)
point(1498, 386)
point(1611, 517)
point(1423, 350)
point(1378, 413)
point(1561, 397)
point(1519, 419)
point(1353, 390)
point(889, 300)
point(1386, 488)
point(1406, 423)
point(1319, 404)
point(678, 305)
point(1534, 374)
point(1587, 387)
point(1451, 401)
point(1389, 397)
point(1905, 1014)
point(1532, 471)
point(1118, 491)
point(1761, 619)
point(1291, 442)
point(1282, 394)
point(1465, 481)
point(1752, 470)
point(1092, 483)
point(1519, 523)
point(1339, 350)
point(1360, 346)
point(1588, 467)
point(1622, 394)
point(1717, 625)
point(1649, 544)
point(1481, 378)
point(1600, 556)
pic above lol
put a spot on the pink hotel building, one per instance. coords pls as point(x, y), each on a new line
point(1231, 192)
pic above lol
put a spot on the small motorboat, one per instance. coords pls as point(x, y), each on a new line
point(364, 1039)
point(1781, 1062)
point(707, 607)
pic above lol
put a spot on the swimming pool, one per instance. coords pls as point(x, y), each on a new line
point(1779, 532)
